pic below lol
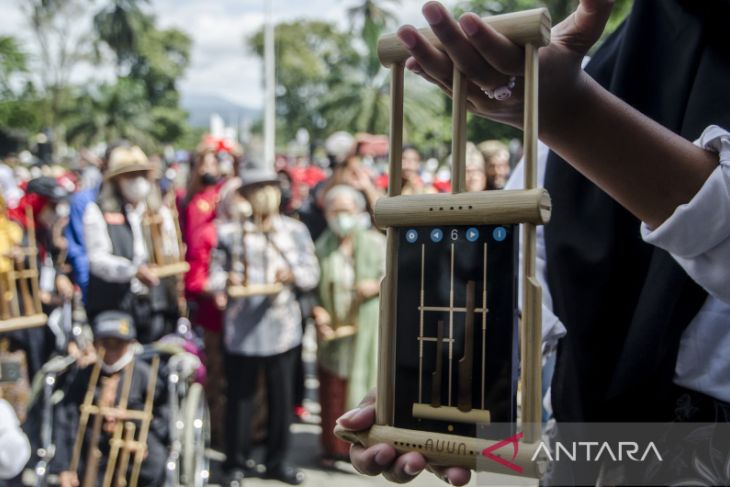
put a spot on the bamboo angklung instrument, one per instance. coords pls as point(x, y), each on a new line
point(22, 280)
point(247, 288)
point(162, 263)
point(529, 207)
point(122, 444)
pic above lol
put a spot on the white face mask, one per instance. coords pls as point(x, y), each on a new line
point(135, 190)
point(344, 224)
point(110, 369)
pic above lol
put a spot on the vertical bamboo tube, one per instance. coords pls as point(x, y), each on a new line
point(458, 137)
point(119, 427)
point(386, 338)
point(531, 325)
point(139, 454)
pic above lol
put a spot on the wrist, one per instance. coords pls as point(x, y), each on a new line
point(559, 115)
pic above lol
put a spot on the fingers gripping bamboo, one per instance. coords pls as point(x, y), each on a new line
point(522, 28)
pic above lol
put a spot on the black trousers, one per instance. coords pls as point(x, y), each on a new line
point(242, 373)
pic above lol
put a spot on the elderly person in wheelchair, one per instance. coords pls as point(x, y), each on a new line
point(136, 417)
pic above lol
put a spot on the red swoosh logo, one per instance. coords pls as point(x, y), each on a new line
point(514, 441)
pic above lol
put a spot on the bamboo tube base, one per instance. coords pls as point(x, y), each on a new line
point(451, 450)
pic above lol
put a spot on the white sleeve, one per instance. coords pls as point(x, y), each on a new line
point(14, 445)
point(102, 262)
point(552, 328)
point(697, 234)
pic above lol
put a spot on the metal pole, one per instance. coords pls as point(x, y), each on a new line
point(269, 89)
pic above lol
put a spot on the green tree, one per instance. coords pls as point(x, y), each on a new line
point(152, 59)
point(312, 58)
point(111, 111)
point(20, 107)
point(62, 46)
point(13, 61)
point(119, 25)
point(325, 84)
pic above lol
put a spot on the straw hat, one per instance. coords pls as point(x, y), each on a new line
point(123, 160)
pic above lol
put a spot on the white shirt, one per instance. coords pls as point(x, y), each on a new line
point(260, 325)
point(697, 235)
point(115, 268)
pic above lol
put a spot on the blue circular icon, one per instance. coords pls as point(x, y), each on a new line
point(411, 236)
point(472, 234)
point(437, 235)
point(499, 234)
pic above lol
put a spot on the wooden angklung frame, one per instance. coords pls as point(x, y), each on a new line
point(240, 264)
point(21, 302)
point(128, 442)
point(449, 312)
point(163, 262)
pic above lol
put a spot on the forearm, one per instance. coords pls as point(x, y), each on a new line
point(647, 168)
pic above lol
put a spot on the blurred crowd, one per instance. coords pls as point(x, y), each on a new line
point(253, 257)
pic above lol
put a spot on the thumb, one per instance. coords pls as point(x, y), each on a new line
point(584, 27)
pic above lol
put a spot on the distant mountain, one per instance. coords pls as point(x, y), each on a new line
point(201, 107)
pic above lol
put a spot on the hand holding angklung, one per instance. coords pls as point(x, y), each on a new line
point(383, 458)
point(489, 59)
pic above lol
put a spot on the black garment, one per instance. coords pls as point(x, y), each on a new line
point(311, 214)
point(154, 313)
point(242, 374)
point(625, 303)
point(67, 416)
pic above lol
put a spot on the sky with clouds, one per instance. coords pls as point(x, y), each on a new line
point(221, 64)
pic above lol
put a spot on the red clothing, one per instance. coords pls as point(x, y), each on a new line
point(200, 236)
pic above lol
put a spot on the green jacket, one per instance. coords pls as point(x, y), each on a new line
point(355, 357)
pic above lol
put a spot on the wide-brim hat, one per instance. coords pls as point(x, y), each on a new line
point(257, 176)
point(124, 160)
point(114, 324)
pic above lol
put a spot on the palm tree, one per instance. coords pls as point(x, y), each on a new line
point(112, 112)
point(119, 25)
point(370, 19)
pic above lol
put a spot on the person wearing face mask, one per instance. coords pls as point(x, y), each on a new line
point(114, 332)
point(261, 331)
point(352, 260)
point(120, 276)
point(197, 219)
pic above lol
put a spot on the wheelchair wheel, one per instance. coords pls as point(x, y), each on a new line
point(196, 438)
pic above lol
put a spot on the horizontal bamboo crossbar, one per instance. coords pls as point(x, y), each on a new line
point(168, 270)
point(450, 413)
point(482, 208)
point(342, 332)
point(118, 413)
point(526, 27)
point(23, 322)
point(450, 450)
point(254, 290)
